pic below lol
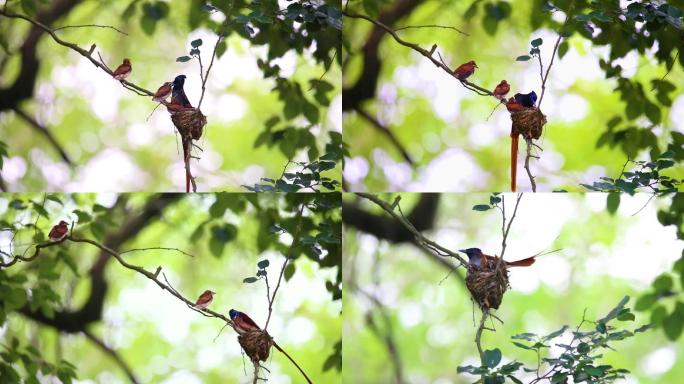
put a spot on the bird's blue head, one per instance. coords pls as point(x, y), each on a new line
point(233, 314)
point(472, 252)
point(179, 81)
point(533, 97)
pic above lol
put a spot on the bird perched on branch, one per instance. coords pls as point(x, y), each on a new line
point(163, 92)
point(123, 70)
point(204, 299)
point(242, 323)
point(479, 259)
point(501, 90)
point(59, 231)
point(526, 99)
point(178, 94)
point(465, 70)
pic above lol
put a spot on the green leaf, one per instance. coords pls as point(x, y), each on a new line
point(537, 42)
point(196, 43)
point(555, 334)
point(626, 315)
point(492, 357)
point(663, 283)
point(263, 264)
point(615, 311)
point(613, 202)
point(183, 59)
point(645, 302)
point(601, 327)
point(289, 271)
point(523, 58)
point(250, 280)
point(482, 207)
point(83, 217)
point(559, 377)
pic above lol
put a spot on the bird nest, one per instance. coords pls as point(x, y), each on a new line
point(487, 285)
point(529, 123)
point(256, 344)
point(190, 122)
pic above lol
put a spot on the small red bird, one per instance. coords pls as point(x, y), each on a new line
point(123, 70)
point(163, 92)
point(173, 106)
point(59, 231)
point(501, 90)
point(205, 299)
point(465, 70)
point(242, 323)
point(513, 106)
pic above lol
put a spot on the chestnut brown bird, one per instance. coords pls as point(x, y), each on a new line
point(501, 90)
point(465, 70)
point(59, 231)
point(123, 70)
point(163, 92)
point(205, 299)
point(477, 258)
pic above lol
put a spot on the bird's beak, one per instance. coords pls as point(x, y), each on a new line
point(462, 250)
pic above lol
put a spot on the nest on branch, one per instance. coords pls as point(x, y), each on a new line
point(487, 285)
point(529, 123)
point(256, 344)
point(189, 122)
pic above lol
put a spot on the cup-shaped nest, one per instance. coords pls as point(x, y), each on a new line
point(487, 285)
point(256, 344)
point(529, 123)
point(190, 122)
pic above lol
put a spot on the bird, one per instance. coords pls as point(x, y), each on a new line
point(59, 231)
point(123, 70)
point(242, 323)
point(204, 299)
point(465, 70)
point(178, 94)
point(501, 90)
point(527, 100)
point(477, 258)
point(163, 92)
point(513, 105)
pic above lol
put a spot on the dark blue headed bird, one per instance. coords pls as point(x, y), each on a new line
point(527, 100)
point(178, 94)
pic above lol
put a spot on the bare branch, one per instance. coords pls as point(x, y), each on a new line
point(431, 26)
point(295, 242)
point(510, 222)
point(384, 129)
point(113, 354)
point(45, 132)
point(90, 25)
point(81, 51)
point(428, 54)
point(423, 242)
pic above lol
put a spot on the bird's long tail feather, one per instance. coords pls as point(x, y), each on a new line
point(514, 160)
point(522, 263)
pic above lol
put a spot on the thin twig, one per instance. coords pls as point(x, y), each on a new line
point(510, 222)
point(206, 76)
point(157, 248)
point(295, 242)
point(113, 354)
point(553, 56)
point(431, 26)
point(89, 25)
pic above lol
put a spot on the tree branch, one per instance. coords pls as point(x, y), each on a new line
point(384, 129)
point(45, 132)
point(113, 354)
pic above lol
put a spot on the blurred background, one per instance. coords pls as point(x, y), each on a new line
point(408, 316)
point(614, 92)
point(50, 303)
point(77, 129)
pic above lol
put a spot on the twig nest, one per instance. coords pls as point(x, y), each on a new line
point(256, 344)
point(190, 122)
point(487, 285)
point(529, 123)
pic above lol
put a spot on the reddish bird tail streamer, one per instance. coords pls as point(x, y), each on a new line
point(522, 263)
point(514, 160)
